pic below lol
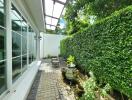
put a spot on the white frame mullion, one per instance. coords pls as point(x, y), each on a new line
point(8, 44)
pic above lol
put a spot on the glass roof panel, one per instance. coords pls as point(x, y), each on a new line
point(54, 21)
point(64, 1)
point(53, 8)
point(50, 27)
point(58, 9)
point(53, 27)
point(47, 26)
point(49, 7)
point(48, 20)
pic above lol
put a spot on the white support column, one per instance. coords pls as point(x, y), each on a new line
point(44, 42)
point(27, 45)
point(8, 44)
point(38, 46)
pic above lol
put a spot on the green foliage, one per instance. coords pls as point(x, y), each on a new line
point(70, 59)
point(104, 90)
point(48, 56)
point(104, 8)
point(50, 31)
point(79, 12)
point(89, 88)
point(105, 48)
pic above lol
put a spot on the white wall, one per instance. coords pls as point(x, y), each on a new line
point(50, 44)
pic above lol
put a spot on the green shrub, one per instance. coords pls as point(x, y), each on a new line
point(106, 49)
point(89, 88)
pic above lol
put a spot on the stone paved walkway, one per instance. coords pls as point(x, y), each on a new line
point(48, 84)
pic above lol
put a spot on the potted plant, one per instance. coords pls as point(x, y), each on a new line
point(70, 61)
point(70, 71)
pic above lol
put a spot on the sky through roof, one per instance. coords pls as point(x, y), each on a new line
point(53, 11)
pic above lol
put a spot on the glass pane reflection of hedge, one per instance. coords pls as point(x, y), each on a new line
point(2, 44)
point(2, 76)
point(16, 68)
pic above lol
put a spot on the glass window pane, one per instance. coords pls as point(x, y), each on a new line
point(24, 62)
point(30, 29)
point(24, 45)
point(2, 15)
point(30, 47)
point(16, 44)
point(16, 68)
point(24, 37)
point(2, 77)
point(2, 44)
point(34, 47)
point(30, 58)
point(16, 20)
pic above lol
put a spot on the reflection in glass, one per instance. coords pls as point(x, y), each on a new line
point(24, 27)
point(2, 44)
point(30, 58)
point(2, 15)
point(34, 47)
point(16, 68)
point(30, 46)
point(2, 77)
point(30, 29)
point(24, 45)
point(24, 62)
point(16, 44)
point(24, 37)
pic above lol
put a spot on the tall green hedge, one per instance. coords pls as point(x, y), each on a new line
point(106, 49)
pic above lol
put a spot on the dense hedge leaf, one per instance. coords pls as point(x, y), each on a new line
point(106, 49)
